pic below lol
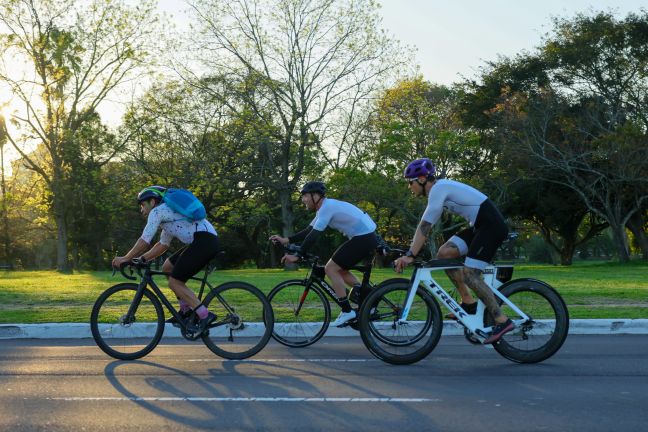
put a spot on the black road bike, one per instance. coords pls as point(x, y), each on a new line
point(127, 320)
point(302, 307)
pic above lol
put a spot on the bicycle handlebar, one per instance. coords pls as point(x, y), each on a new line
point(294, 249)
point(134, 263)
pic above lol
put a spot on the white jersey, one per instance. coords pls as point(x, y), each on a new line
point(173, 225)
point(456, 197)
point(344, 217)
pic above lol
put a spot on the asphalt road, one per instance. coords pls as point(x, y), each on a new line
point(595, 383)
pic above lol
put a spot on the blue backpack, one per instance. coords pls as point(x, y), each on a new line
point(184, 202)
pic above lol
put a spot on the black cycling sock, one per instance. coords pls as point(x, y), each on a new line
point(470, 308)
point(344, 304)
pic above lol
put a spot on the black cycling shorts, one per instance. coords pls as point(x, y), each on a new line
point(355, 250)
point(190, 259)
point(484, 237)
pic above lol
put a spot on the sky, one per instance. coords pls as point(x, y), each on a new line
point(454, 38)
point(451, 39)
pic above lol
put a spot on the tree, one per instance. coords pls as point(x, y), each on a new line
point(184, 137)
point(73, 57)
point(5, 199)
point(604, 63)
point(412, 119)
point(557, 211)
point(575, 107)
point(605, 167)
point(308, 65)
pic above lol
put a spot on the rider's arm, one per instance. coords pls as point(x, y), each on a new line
point(301, 235)
point(422, 232)
point(431, 215)
point(140, 247)
point(158, 249)
point(318, 226)
point(310, 240)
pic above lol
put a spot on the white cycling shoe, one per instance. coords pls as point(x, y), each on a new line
point(344, 318)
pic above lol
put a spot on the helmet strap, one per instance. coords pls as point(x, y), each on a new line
point(423, 186)
point(313, 199)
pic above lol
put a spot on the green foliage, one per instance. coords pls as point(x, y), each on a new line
point(567, 127)
point(556, 136)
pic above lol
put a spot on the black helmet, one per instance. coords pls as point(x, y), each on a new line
point(314, 187)
point(150, 192)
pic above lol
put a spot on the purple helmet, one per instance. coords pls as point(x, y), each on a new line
point(419, 167)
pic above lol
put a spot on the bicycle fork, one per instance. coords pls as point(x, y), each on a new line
point(129, 317)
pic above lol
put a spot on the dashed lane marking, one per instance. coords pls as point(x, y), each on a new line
point(244, 399)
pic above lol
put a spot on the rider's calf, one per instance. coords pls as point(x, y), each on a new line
point(472, 278)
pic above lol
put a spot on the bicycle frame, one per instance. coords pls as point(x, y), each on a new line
point(328, 289)
point(422, 276)
point(147, 280)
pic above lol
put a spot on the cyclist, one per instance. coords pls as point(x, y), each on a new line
point(478, 243)
point(201, 245)
point(350, 221)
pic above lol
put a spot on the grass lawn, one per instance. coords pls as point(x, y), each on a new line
point(591, 290)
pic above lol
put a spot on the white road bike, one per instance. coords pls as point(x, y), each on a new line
point(410, 312)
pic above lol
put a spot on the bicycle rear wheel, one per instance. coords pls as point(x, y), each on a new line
point(244, 320)
point(123, 337)
point(302, 314)
point(543, 335)
point(400, 342)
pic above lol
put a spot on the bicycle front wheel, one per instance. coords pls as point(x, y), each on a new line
point(391, 340)
point(244, 320)
point(302, 313)
point(119, 335)
point(546, 330)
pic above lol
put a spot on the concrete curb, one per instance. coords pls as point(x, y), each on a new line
point(81, 330)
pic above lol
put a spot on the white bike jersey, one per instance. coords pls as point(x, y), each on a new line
point(173, 225)
point(456, 197)
point(344, 217)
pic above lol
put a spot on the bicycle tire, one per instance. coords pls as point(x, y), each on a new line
point(391, 281)
point(412, 338)
point(549, 326)
point(414, 345)
point(126, 341)
point(242, 310)
point(299, 321)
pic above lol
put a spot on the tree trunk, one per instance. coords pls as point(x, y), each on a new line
point(98, 258)
point(636, 226)
point(62, 262)
point(567, 253)
point(287, 218)
point(274, 256)
point(621, 242)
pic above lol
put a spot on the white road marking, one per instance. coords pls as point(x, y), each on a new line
point(245, 399)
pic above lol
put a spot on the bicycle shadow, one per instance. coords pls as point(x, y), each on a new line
point(256, 383)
